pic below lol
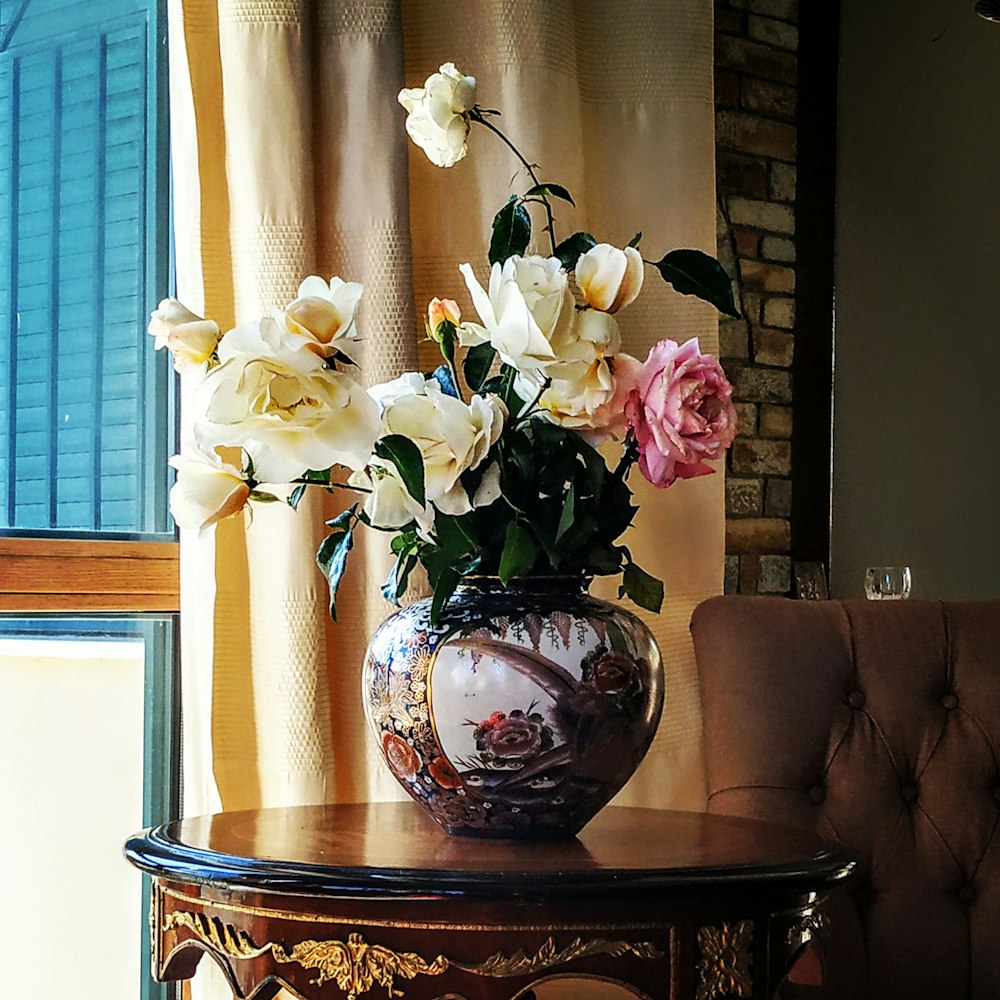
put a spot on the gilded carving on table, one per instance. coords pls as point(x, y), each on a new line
point(520, 963)
point(356, 966)
point(724, 962)
point(811, 927)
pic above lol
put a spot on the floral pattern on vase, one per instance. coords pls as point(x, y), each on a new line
point(522, 714)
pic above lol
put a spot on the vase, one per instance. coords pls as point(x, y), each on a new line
point(520, 714)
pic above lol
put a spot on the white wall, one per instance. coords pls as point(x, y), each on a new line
point(917, 367)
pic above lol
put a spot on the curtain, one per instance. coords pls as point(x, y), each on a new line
point(290, 158)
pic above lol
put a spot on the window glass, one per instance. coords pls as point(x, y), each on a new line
point(82, 191)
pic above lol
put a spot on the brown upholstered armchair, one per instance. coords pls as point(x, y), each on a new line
point(878, 725)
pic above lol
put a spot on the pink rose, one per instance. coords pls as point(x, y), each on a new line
point(681, 412)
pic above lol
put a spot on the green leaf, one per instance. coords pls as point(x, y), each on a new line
point(551, 190)
point(455, 534)
point(566, 517)
point(332, 559)
point(693, 272)
point(511, 231)
point(447, 581)
point(343, 520)
point(519, 551)
point(572, 247)
point(295, 497)
point(261, 496)
point(395, 585)
point(477, 363)
point(405, 455)
point(634, 242)
point(644, 589)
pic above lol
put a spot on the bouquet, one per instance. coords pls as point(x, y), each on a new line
point(488, 465)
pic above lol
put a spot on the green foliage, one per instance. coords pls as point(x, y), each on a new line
point(477, 364)
point(511, 231)
point(405, 456)
point(572, 247)
point(692, 272)
point(550, 191)
point(332, 555)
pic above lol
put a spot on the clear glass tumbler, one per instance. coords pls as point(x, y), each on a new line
point(887, 583)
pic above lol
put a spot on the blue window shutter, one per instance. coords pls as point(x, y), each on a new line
point(81, 195)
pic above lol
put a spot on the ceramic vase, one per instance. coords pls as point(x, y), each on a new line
point(521, 713)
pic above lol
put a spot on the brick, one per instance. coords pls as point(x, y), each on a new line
point(730, 21)
point(763, 385)
point(772, 32)
point(766, 97)
point(744, 497)
point(746, 56)
point(755, 457)
point(777, 248)
point(750, 133)
point(727, 89)
point(780, 312)
point(731, 575)
point(750, 306)
point(774, 575)
point(762, 215)
point(786, 10)
point(748, 574)
point(775, 421)
point(767, 277)
point(773, 347)
point(747, 242)
point(757, 535)
point(738, 174)
point(778, 498)
point(781, 183)
point(734, 339)
point(746, 419)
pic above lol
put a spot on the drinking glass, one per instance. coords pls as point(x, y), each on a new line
point(887, 583)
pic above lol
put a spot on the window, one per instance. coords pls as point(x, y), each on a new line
point(88, 560)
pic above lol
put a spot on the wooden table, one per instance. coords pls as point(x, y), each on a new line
point(375, 901)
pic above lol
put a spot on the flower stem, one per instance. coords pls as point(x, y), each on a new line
point(629, 456)
point(476, 115)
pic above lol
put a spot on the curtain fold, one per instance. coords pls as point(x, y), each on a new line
point(290, 158)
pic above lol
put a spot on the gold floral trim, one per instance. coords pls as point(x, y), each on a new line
point(724, 965)
point(520, 963)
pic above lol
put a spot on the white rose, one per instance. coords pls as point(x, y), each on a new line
point(609, 278)
point(437, 114)
point(387, 503)
point(284, 406)
point(452, 437)
point(507, 321)
point(206, 491)
point(190, 338)
point(323, 314)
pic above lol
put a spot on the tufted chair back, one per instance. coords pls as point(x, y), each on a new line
point(878, 725)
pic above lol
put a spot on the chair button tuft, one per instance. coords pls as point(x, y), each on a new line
point(966, 895)
point(950, 701)
point(909, 793)
point(816, 794)
point(856, 699)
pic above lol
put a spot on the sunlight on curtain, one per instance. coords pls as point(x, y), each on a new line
point(290, 158)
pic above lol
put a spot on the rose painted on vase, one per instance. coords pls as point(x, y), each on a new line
point(444, 774)
point(612, 673)
point(400, 756)
point(512, 738)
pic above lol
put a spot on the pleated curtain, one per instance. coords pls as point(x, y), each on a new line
point(289, 158)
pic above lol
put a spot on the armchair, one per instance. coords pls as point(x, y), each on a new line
point(877, 724)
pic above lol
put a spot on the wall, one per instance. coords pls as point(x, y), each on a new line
point(917, 373)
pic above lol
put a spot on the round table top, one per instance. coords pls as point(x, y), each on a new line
point(393, 848)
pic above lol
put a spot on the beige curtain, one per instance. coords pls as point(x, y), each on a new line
point(290, 158)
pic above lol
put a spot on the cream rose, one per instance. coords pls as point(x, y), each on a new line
point(453, 437)
point(608, 278)
point(387, 503)
point(437, 114)
point(190, 338)
point(206, 491)
point(323, 314)
point(284, 406)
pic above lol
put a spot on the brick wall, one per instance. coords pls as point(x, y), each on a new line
point(756, 99)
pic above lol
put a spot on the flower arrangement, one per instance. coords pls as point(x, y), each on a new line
point(488, 465)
